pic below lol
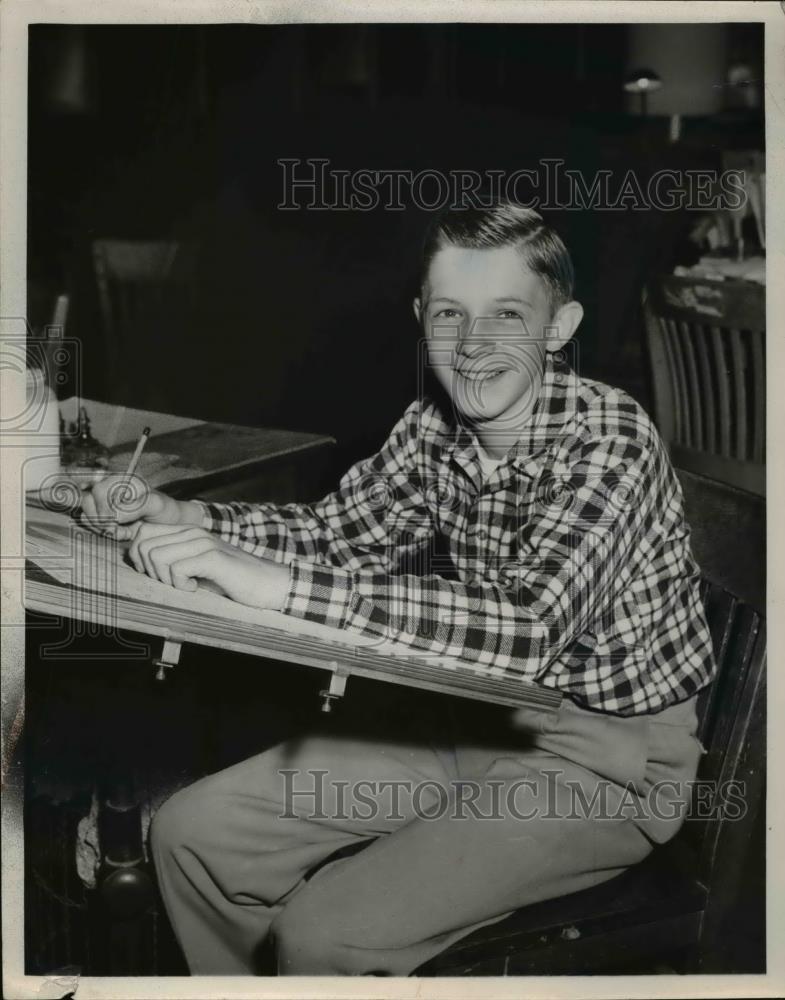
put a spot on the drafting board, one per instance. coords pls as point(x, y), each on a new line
point(80, 575)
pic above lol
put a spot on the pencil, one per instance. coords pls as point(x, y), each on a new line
point(138, 452)
point(126, 493)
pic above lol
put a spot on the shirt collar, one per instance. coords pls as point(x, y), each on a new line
point(554, 407)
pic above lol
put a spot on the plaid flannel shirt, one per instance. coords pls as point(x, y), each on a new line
point(569, 566)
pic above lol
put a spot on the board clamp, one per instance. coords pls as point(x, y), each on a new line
point(170, 657)
point(338, 677)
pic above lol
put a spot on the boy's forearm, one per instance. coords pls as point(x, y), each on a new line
point(293, 530)
point(479, 623)
point(242, 523)
point(163, 509)
point(189, 512)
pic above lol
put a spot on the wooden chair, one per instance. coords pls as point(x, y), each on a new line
point(679, 905)
point(706, 342)
point(142, 285)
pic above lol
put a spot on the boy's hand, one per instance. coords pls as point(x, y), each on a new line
point(117, 503)
point(181, 557)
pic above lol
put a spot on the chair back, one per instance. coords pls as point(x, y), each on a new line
point(706, 342)
point(728, 537)
point(142, 286)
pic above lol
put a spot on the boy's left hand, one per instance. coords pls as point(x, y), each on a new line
point(183, 556)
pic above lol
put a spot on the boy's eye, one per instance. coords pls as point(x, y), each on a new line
point(509, 314)
point(447, 314)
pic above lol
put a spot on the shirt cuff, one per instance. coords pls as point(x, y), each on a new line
point(228, 521)
point(209, 519)
point(322, 594)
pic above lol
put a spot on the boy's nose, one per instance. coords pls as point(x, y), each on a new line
point(485, 333)
point(472, 347)
point(483, 336)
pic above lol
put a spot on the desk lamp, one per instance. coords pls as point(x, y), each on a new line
point(642, 82)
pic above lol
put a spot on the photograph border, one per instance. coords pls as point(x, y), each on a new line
point(15, 16)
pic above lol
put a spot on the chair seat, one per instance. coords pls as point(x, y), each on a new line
point(650, 906)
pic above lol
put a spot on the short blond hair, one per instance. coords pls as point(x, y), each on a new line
point(502, 224)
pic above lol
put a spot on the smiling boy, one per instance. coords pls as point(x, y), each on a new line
point(571, 568)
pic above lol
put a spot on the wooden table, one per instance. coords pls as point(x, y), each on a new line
point(243, 463)
point(214, 461)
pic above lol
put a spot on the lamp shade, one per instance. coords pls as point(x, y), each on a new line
point(642, 81)
point(689, 59)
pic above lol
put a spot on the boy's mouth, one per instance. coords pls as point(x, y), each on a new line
point(480, 375)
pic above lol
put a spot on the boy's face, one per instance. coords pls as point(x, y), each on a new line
point(486, 317)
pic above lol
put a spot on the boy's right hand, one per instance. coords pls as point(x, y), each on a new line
point(118, 504)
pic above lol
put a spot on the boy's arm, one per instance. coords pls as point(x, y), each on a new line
point(572, 562)
point(350, 528)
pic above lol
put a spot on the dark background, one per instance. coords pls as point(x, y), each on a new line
point(303, 319)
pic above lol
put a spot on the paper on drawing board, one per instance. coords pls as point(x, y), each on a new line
point(77, 557)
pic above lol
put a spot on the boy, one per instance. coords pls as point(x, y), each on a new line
point(562, 519)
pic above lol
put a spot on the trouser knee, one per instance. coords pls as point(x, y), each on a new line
point(305, 943)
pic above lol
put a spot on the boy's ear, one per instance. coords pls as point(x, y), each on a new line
point(567, 319)
point(417, 306)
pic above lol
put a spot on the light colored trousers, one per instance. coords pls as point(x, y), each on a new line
point(551, 803)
